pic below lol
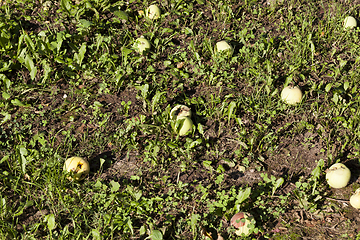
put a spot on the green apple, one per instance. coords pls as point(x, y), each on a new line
point(338, 175)
point(153, 12)
point(224, 47)
point(142, 45)
point(355, 199)
point(349, 22)
point(78, 166)
point(242, 222)
point(186, 125)
point(291, 95)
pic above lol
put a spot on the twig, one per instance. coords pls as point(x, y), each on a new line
point(338, 200)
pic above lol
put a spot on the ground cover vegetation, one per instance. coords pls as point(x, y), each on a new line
point(75, 83)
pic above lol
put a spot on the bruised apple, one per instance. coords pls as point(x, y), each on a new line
point(291, 95)
point(223, 47)
point(78, 167)
point(242, 222)
point(142, 45)
point(355, 199)
point(349, 22)
point(153, 12)
point(180, 111)
point(338, 175)
point(181, 114)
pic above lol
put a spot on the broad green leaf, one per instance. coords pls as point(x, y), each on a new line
point(243, 195)
point(7, 117)
point(29, 204)
point(125, 52)
point(231, 108)
point(79, 57)
point(29, 43)
point(156, 99)
point(167, 63)
point(200, 129)
point(5, 95)
point(97, 104)
point(129, 223)
point(277, 184)
point(47, 70)
point(144, 90)
point(328, 87)
point(137, 195)
point(30, 66)
point(288, 80)
point(99, 40)
point(317, 171)
point(142, 230)
point(17, 102)
point(6, 81)
point(172, 145)
point(60, 37)
point(102, 161)
point(85, 23)
point(20, 48)
point(115, 186)
point(195, 143)
point(122, 15)
point(342, 63)
point(65, 4)
point(23, 161)
point(4, 158)
point(207, 164)
point(193, 222)
point(95, 234)
point(4, 40)
point(50, 219)
point(3, 204)
point(156, 235)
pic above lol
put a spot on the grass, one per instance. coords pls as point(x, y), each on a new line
point(73, 84)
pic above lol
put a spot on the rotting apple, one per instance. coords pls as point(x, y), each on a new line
point(181, 114)
point(78, 167)
point(224, 47)
point(355, 199)
point(350, 22)
point(242, 222)
point(142, 45)
point(153, 12)
point(180, 111)
point(338, 175)
point(291, 95)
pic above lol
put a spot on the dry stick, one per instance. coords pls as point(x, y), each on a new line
point(338, 200)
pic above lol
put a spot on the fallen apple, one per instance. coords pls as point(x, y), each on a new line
point(338, 175)
point(223, 47)
point(181, 114)
point(78, 167)
point(180, 111)
point(186, 125)
point(291, 95)
point(242, 222)
point(153, 12)
point(355, 199)
point(349, 22)
point(141, 45)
